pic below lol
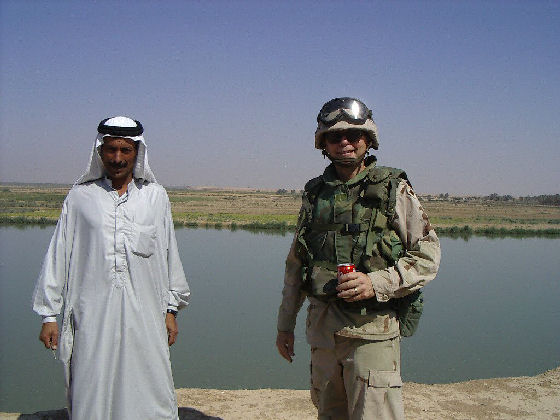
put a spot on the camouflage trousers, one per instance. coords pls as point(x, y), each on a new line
point(357, 379)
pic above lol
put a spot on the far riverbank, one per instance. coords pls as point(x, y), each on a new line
point(269, 210)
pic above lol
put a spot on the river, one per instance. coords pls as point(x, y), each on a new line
point(492, 311)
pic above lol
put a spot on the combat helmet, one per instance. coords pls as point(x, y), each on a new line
point(343, 114)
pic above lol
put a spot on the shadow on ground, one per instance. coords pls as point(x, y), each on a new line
point(185, 413)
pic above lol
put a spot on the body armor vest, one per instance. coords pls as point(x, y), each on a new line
point(350, 222)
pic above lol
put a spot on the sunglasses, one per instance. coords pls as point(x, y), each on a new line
point(334, 137)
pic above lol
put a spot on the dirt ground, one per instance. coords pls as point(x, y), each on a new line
point(536, 397)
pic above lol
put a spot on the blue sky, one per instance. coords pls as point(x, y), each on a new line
point(465, 93)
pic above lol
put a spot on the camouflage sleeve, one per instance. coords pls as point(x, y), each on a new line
point(292, 295)
point(421, 260)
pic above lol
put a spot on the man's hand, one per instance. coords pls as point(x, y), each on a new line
point(354, 286)
point(172, 329)
point(285, 345)
point(49, 335)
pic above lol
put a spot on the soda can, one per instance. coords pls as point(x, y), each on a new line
point(345, 268)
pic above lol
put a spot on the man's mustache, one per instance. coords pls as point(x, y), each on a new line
point(118, 165)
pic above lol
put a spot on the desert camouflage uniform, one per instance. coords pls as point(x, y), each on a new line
point(355, 352)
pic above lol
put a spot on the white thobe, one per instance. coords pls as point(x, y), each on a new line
point(113, 262)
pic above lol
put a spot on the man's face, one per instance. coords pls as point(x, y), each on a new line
point(118, 156)
point(349, 144)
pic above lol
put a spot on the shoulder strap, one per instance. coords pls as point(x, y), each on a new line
point(396, 176)
point(310, 193)
point(313, 186)
point(381, 192)
point(382, 183)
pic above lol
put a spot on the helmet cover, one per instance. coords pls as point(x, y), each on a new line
point(340, 114)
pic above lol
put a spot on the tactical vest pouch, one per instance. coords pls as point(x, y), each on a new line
point(323, 282)
point(391, 247)
point(378, 222)
point(409, 310)
point(377, 194)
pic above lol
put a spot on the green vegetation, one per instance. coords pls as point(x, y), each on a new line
point(26, 220)
point(543, 200)
point(276, 211)
point(16, 200)
point(467, 231)
point(229, 218)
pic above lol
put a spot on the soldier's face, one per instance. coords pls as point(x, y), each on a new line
point(346, 144)
point(118, 156)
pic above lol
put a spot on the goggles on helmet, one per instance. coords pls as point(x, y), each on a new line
point(348, 109)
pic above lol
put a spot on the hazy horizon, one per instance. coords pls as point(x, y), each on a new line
point(465, 94)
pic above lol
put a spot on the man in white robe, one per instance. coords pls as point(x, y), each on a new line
point(114, 271)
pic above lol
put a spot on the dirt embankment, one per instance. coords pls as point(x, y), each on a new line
point(536, 397)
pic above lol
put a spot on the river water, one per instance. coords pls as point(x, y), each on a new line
point(492, 311)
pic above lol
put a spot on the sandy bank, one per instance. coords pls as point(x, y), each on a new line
point(536, 397)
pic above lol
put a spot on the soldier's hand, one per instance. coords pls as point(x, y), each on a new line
point(49, 335)
point(172, 328)
point(285, 345)
point(354, 286)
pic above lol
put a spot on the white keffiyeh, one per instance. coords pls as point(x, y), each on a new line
point(95, 168)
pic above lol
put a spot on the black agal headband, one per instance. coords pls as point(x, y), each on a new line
point(117, 131)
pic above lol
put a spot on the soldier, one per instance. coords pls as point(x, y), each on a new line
point(368, 215)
